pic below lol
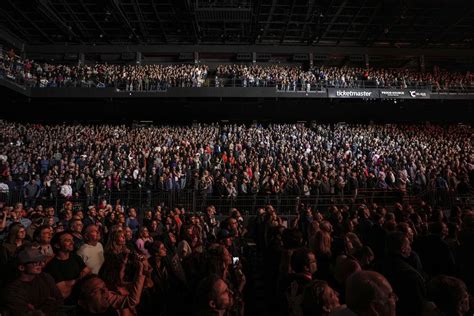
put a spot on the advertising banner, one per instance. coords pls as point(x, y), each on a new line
point(353, 93)
point(404, 94)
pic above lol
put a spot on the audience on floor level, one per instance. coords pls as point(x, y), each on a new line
point(64, 162)
point(215, 272)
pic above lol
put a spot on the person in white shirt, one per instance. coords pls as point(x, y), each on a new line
point(92, 251)
point(66, 190)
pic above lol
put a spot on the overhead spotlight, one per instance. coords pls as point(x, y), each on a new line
point(101, 35)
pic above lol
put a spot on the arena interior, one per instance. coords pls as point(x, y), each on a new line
point(236, 157)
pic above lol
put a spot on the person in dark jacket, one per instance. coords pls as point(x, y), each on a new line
point(408, 284)
point(434, 248)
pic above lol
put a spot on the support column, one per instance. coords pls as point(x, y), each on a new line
point(196, 57)
point(366, 61)
point(422, 63)
point(139, 58)
point(311, 62)
point(82, 58)
point(254, 57)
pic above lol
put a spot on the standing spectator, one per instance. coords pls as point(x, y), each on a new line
point(114, 273)
point(43, 236)
point(369, 293)
point(66, 267)
point(95, 298)
point(434, 248)
point(319, 299)
point(213, 297)
point(15, 239)
point(408, 284)
point(304, 265)
point(449, 295)
point(132, 220)
point(92, 252)
point(143, 237)
point(33, 292)
point(32, 191)
point(66, 190)
point(76, 232)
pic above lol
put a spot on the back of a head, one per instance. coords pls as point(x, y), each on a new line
point(81, 289)
point(204, 294)
point(436, 228)
point(365, 287)
point(449, 295)
point(394, 242)
point(344, 268)
point(314, 301)
point(300, 259)
point(292, 238)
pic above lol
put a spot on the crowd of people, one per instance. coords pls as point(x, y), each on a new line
point(107, 258)
point(350, 260)
point(228, 161)
point(156, 77)
point(291, 78)
point(153, 77)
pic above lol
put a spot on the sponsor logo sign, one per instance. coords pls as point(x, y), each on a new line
point(353, 93)
point(392, 94)
point(419, 94)
point(404, 94)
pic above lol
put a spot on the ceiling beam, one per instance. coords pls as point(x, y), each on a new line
point(123, 17)
point(189, 13)
point(141, 24)
point(89, 14)
point(77, 21)
point(328, 50)
point(269, 18)
point(333, 19)
point(350, 22)
point(467, 13)
point(13, 39)
point(160, 22)
point(308, 18)
point(45, 35)
point(288, 19)
point(46, 9)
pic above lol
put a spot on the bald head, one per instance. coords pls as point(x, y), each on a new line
point(368, 292)
point(92, 234)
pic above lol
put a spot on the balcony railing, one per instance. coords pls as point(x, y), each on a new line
point(194, 201)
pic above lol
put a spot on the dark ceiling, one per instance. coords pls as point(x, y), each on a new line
point(369, 23)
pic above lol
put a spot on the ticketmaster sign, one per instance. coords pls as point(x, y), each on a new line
point(353, 93)
point(378, 93)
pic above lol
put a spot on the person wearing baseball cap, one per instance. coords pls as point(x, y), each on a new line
point(34, 291)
